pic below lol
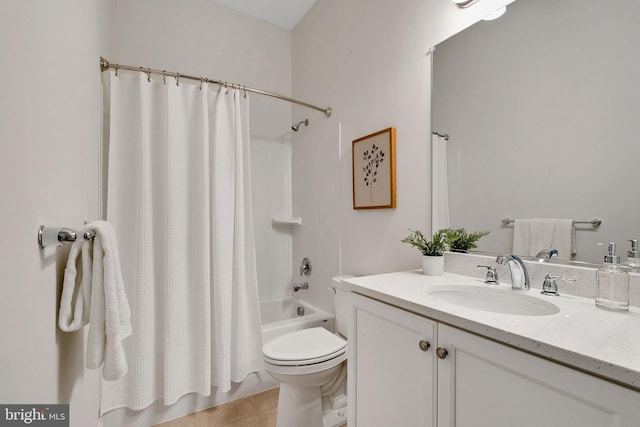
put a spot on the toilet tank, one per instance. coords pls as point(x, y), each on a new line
point(341, 304)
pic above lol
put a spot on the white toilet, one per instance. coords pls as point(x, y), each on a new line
point(310, 363)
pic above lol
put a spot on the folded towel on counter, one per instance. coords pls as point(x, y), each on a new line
point(97, 298)
point(530, 236)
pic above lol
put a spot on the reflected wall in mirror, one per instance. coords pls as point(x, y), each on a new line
point(543, 111)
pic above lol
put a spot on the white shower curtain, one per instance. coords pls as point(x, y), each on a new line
point(440, 187)
point(179, 199)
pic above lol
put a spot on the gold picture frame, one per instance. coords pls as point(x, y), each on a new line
point(374, 170)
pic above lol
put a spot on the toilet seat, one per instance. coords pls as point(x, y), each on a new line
point(304, 347)
point(304, 369)
point(304, 362)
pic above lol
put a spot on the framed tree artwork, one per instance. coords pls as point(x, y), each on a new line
point(374, 170)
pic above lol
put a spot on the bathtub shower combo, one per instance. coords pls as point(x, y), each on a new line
point(281, 315)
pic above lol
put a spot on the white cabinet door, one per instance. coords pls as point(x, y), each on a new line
point(395, 376)
point(485, 384)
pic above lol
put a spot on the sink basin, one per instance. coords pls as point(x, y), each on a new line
point(493, 300)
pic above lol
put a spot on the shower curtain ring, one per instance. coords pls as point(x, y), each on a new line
point(117, 68)
point(143, 71)
point(164, 77)
point(201, 79)
point(177, 79)
point(245, 91)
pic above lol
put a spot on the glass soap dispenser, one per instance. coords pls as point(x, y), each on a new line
point(612, 283)
point(633, 256)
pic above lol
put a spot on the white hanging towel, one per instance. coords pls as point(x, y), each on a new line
point(564, 238)
point(76, 290)
point(530, 236)
point(97, 297)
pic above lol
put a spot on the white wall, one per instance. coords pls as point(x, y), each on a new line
point(367, 60)
point(49, 136)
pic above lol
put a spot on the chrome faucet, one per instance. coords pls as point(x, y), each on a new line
point(546, 254)
point(519, 272)
point(299, 286)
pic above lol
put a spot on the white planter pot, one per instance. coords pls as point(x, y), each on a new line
point(433, 265)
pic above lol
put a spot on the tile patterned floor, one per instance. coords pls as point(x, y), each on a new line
point(258, 410)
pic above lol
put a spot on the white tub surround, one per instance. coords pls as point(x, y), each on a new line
point(280, 315)
point(599, 342)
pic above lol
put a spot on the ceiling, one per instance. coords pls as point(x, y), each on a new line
point(284, 13)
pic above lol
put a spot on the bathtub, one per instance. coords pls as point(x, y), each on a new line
point(280, 315)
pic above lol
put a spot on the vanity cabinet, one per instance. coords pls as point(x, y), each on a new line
point(391, 368)
point(463, 380)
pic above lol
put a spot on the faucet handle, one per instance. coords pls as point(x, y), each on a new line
point(550, 287)
point(305, 268)
point(492, 275)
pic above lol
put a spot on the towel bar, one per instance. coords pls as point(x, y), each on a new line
point(54, 236)
point(595, 221)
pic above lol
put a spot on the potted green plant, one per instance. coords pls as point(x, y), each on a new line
point(461, 241)
point(432, 250)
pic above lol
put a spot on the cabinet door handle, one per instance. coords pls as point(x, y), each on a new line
point(424, 345)
point(442, 352)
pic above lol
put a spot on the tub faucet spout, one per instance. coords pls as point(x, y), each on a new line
point(299, 286)
point(546, 254)
point(519, 272)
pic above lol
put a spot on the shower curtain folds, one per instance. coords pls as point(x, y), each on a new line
point(179, 199)
point(440, 217)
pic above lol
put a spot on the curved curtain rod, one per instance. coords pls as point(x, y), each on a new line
point(105, 65)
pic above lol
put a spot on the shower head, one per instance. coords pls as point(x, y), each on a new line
point(297, 125)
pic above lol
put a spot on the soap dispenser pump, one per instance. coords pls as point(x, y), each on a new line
point(633, 256)
point(612, 283)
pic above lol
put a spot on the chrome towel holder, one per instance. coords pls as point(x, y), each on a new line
point(595, 221)
point(56, 236)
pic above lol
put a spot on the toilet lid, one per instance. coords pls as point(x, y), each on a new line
point(306, 344)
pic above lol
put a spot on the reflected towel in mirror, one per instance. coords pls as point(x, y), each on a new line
point(530, 236)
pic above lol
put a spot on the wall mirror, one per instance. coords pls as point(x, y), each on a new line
point(543, 111)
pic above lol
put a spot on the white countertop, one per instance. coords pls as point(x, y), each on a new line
point(580, 335)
